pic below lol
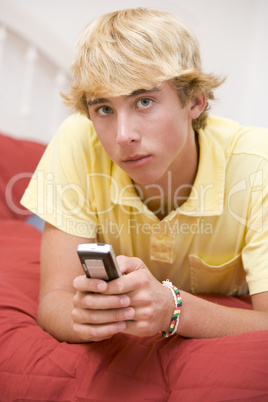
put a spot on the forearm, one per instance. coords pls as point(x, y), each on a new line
point(54, 315)
point(202, 319)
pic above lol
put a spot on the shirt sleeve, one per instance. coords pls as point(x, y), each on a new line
point(58, 191)
point(255, 252)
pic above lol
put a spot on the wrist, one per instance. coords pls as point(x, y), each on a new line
point(177, 304)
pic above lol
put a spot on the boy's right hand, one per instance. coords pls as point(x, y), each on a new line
point(98, 316)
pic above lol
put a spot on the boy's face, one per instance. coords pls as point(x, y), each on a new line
point(146, 133)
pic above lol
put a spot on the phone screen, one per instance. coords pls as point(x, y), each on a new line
point(98, 261)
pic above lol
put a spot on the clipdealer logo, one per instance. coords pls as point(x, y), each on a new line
point(70, 200)
point(132, 226)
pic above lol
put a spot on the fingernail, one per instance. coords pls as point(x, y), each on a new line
point(121, 326)
point(128, 314)
point(101, 286)
point(124, 301)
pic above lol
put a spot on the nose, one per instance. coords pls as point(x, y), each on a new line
point(126, 130)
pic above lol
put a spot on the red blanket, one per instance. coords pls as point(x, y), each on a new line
point(36, 367)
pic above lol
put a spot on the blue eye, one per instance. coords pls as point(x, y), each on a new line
point(144, 102)
point(104, 110)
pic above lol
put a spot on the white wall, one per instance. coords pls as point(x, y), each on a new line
point(233, 37)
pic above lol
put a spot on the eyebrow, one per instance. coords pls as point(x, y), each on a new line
point(97, 101)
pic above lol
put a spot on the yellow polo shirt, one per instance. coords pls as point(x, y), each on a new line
point(215, 242)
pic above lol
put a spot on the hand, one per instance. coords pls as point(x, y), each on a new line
point(135, 303)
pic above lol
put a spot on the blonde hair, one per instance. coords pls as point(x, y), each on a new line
point(132, 49)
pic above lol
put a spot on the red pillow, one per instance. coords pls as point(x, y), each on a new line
point(18, 160)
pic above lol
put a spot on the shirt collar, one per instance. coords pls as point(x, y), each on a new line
point(207, 195)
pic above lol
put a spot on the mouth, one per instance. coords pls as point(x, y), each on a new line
point(137, 160)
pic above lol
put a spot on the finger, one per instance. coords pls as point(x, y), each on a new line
point(84, 284)
point(129, 264)
point(140, 328)
point(98, 332)
point(134, 281)
point(83, 316)
point(96, 301)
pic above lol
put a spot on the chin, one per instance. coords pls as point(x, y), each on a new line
point(146, 180)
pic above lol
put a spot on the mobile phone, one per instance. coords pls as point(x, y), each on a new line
point(98, 261)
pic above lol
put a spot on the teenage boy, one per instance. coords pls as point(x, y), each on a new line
point(179, 194)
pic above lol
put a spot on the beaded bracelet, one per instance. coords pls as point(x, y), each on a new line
point(175, 316)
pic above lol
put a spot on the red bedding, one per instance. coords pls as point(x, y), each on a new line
point(36, 367)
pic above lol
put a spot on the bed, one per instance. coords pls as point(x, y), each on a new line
point(36, 367)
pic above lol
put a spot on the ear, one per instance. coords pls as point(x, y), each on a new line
point(198, 104)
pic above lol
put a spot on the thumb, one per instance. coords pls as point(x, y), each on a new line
point(130, 264)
